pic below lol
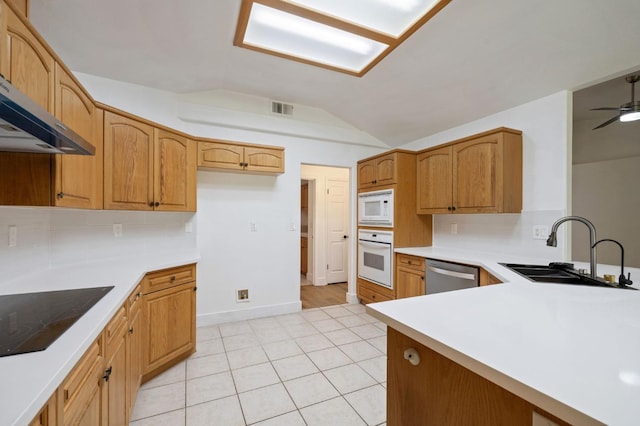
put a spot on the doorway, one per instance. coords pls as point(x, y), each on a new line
point(324, 237)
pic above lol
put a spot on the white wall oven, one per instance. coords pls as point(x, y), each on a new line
point(375, 257)
point(376, 208)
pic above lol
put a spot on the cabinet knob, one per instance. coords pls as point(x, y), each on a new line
point(453, 208)
point(173, 278)
point(131, 330)
point(412, 356)
point(151, 204)
point(60, 195)
point(156, 204)
point(373, 296)
point(422, 277)
point(449, 208)
point(409, 262)
point(138, 295)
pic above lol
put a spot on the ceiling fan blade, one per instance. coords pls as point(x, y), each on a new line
point(606, 123)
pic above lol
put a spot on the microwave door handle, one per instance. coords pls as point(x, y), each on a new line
point(373, 245)
point(462, 275)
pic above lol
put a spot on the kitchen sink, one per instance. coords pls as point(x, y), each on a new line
point(558, 274)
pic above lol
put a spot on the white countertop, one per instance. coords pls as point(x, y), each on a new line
point(28, 380)
point(571, 350)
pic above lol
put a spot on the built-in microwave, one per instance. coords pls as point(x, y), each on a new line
point(375, 208)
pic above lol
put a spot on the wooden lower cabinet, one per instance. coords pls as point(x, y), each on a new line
point(148, 334)
point(410, 276)
point(169, 321)
point(369, 292)
point(114, 388)
point(304, 251)
point(439, 391)
point(79, 397)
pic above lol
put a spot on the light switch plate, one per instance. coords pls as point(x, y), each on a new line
point(117, 230)
point(13, 235)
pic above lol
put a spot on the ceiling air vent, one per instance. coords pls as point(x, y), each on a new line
point(281, 108)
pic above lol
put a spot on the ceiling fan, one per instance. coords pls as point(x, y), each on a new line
point(626, 112)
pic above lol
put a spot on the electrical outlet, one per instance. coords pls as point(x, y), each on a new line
point(117, 230)
point(242, 295)
point(454, 228)
point(253, 226)
point(188, 226)
point(540, 232)
point(13, 235)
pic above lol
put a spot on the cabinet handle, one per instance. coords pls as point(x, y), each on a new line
point(195, 289)
point(173, 278)
point(60, 195)
point(131, 330)
point(138, 295)
point(409, 262)
point(107, 373)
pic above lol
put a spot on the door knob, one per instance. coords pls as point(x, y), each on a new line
point(345, 236)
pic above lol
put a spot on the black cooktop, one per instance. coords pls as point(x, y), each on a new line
point(31, 322)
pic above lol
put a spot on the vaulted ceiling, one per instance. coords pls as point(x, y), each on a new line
point(473, 59)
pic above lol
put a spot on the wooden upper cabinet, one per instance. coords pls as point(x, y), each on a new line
point(434, 181)
point(174, 172)
point(377, 171)
point(128, 163)
point(26, 63)
point(263, 159)
point(238, 157)
point(479, 174)
point(78, 178)
point(21, 6)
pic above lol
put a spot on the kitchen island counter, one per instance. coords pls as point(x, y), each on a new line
point(573, 351)
point(28, 380)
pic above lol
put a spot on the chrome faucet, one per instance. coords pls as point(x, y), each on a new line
point(622, 280)
point(553, 242)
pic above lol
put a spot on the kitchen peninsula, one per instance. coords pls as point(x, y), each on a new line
point(567, 352)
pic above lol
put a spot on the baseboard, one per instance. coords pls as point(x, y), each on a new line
point(352, 298)
point(246, 314)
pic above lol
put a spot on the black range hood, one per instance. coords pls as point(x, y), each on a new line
point(27, 127)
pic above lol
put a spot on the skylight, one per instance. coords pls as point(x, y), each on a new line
point(341, 35)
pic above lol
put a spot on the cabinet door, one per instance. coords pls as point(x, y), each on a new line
point(266, 160)
point(434, 181)
point(366, 174)
point(134, 354)
point(30, 66)
point(386, 172)
point(128, 164)
point(174, 170)
point(477, 170)
point(78, 178)
point(410, 282)
point(169, 318)
point(92, 413)
point(114, 389)
point(220, 155)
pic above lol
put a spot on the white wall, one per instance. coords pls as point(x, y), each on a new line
point(545, 124)
point(232, 257)
point(58, 237)
point(318, 233)
point(606, 192)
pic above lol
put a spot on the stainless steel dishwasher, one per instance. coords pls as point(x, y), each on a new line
point(446, 276)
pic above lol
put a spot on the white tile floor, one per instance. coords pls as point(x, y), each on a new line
point(324, 366)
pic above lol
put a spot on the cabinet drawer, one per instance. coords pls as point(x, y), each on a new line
point(412, 262)
point(114, 330)
point(369, 295)
point(168, 278)
point(134, 301)
point(78, 386)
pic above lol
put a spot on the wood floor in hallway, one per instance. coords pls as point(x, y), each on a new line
point(318, 296)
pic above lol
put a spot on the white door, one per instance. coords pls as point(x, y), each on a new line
point(337, 203)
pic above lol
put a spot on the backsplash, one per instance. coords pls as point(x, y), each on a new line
point(52, 236)
point(498, 233)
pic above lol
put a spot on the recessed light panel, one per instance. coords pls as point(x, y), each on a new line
point(349, 36)
point(289, 34)
point(391, 17)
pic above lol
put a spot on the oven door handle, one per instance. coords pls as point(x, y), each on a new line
point(462, 275)
point(373, 245)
